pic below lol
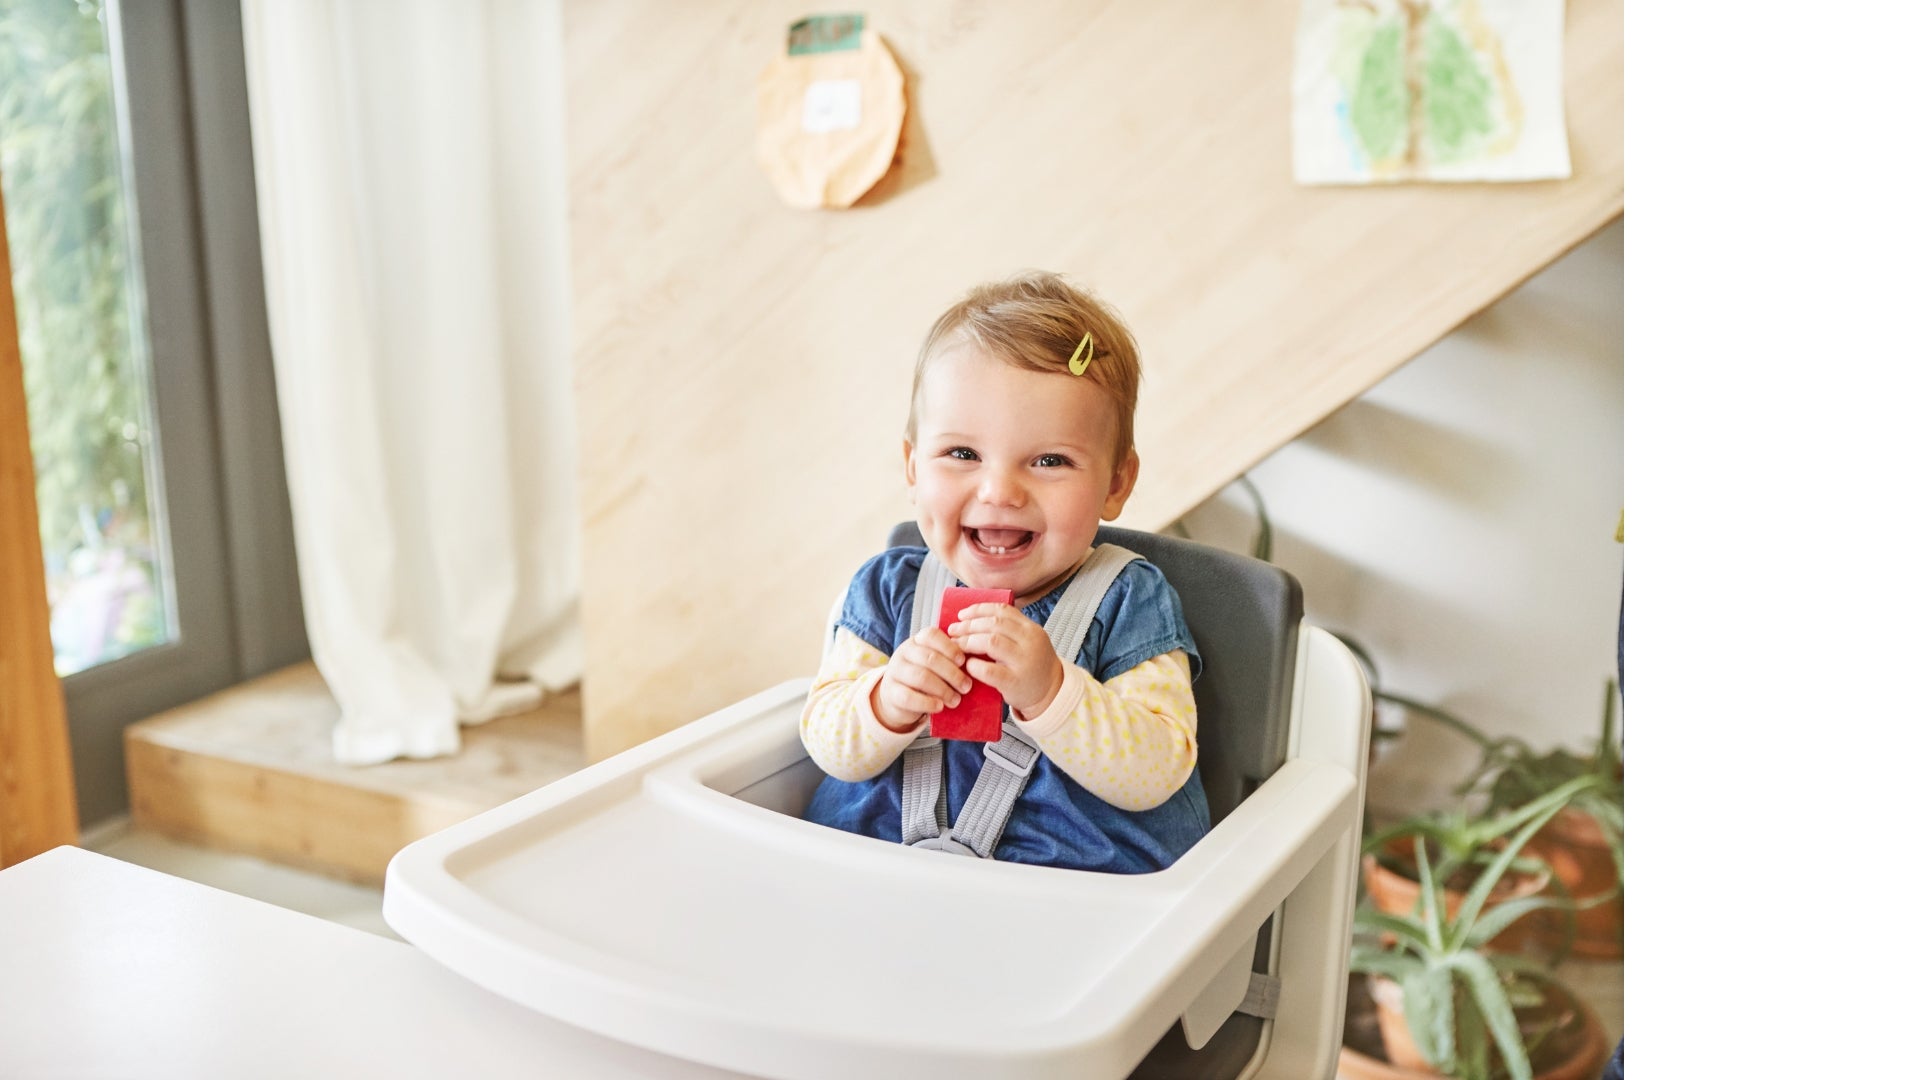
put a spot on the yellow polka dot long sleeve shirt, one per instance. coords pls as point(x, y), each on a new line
point(1130, 740)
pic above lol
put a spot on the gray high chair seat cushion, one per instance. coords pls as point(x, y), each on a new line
point(1245, 617)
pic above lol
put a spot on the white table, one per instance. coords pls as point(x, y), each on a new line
point(112, 970)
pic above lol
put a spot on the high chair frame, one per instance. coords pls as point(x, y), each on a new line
point(670, 896)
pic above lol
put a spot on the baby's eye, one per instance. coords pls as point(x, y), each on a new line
point(960, 453)
point(1052, 461)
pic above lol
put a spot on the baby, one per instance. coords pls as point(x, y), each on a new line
point(1019, 443)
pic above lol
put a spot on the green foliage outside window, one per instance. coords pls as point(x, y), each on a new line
point(78, 308)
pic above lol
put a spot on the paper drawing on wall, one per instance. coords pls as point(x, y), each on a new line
point(831, 112)
point(1397, 90)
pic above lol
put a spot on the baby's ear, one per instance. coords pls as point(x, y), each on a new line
point(1124, 474)
point(906, 449)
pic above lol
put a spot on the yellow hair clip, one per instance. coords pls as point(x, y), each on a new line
point(1077, 365)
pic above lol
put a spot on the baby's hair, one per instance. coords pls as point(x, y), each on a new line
point(1036, 321)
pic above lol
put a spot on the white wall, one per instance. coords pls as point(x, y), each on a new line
point(1458, 521)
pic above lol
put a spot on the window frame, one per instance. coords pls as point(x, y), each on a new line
point(180, 85)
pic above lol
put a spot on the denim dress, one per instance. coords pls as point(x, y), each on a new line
point(1056, 822)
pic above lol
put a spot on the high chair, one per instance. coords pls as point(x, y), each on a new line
point(671, 896)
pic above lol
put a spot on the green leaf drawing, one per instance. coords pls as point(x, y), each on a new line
point(1459, 97)
point(1380, 95)
point(1425, 85)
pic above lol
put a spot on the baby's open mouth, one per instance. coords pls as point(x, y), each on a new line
point(1000, 541)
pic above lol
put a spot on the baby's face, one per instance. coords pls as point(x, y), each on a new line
point(1013, 470)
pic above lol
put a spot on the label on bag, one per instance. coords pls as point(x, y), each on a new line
point(831, 105)
point(825, 33)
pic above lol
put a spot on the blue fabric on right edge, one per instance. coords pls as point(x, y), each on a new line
point(1617, 1065)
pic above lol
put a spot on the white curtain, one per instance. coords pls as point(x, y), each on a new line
point(412, 209)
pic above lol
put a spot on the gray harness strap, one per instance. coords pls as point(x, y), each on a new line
point(1010, 760)
point(923, 791)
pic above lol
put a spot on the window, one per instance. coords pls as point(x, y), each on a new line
point(126, 155)
point(79, 299)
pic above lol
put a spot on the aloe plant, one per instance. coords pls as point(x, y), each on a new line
point(1464, 838)
point(1460, 999)
point(1511, 774)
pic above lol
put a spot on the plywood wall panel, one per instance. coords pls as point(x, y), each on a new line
point(742, 367)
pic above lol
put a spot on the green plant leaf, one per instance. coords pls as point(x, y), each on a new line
point(1530, 866)
point(1431, 905)
point(1484, 984)
point(1557, 798)
point(1458, 837)
point(1529, 968)
point(1611, 817)
point(1505, 914)
point(1473, 1043)
point(1374, 960)
point(1429, 1000)
point(1377, 842)
point(1523, 994)
point(1480, 738)
point(1606, 756)
point(1398, 925)
point(1476, 897)
point(1263, 539)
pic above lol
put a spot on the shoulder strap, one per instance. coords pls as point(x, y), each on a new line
point(923, 791)
point(1010, 760)
point(934, 580)
point(1068, 625)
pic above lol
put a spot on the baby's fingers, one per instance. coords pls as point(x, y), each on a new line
point(985, 640)
point(935, 641)
point(942, 658)
point(999, 636)
point(915, 689)
point(913, 702)
point(993, 673)
point(982, 618)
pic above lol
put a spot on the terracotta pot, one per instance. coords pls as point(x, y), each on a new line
point(1397, 895)
point(1583, 1063)
point(1574, 845)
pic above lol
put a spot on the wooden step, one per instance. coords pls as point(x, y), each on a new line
point(251, 770)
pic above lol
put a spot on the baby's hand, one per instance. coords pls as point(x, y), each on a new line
point(923, 676)
point(1011, 653)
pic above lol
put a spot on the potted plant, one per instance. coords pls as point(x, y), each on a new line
point(1450, 1007)
point(1585, 843)
point(1465, 844)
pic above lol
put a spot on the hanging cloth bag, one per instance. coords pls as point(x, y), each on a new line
point(831, 112)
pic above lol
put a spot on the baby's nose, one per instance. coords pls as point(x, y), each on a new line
point(1001, 488)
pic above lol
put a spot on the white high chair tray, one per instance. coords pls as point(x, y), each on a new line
point(660, 898)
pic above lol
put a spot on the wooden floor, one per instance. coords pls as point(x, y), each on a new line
point(251, 770)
